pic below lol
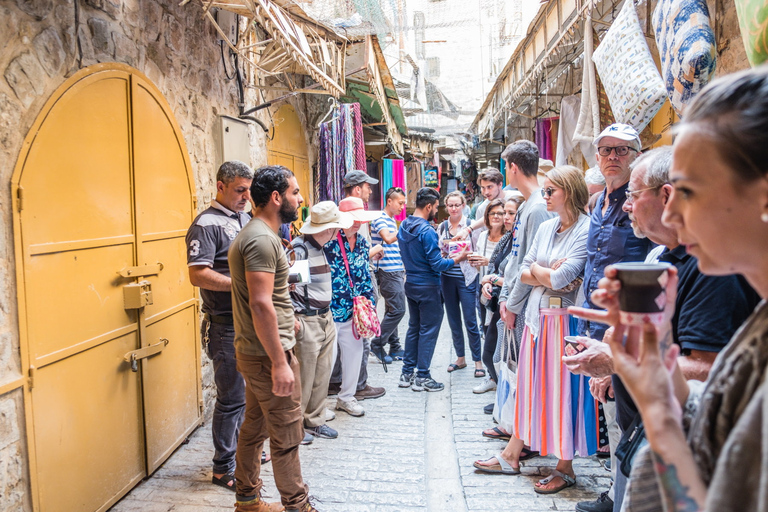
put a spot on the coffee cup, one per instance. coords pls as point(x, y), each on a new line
point(643, 294)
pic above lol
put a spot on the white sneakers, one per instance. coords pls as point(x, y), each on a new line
point(485, 386)
point(350, 406)
point(329, 415)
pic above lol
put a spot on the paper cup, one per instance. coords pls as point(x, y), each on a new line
point(643, 295)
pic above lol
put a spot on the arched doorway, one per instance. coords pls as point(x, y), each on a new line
point(289, 148)
point(108, 319)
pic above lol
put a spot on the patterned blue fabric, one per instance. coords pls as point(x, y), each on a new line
point(341, 303)
point(687, 48)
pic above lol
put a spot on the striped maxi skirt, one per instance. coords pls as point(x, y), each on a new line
point(554, 411)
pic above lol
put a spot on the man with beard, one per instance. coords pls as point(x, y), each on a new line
point(423, 264)
point(264, 345)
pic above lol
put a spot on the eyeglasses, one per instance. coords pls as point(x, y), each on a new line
point(620, 150)
point(632, 193)
point(547, 192)
point(496, 214)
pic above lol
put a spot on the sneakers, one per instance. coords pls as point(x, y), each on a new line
point(382, 356)
point(370, 392)
point(405, 380)
point(485, 386)
point(308, 438)
point(350, 406)
point(323, 431)
point(329, 415)
point(397, 355)
point(258, 505)
point(602, 504)
point(426, 384)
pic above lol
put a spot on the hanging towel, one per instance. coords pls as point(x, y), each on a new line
point(566, 143)
point(398, 180)
point(588, 125)
point(545, 137)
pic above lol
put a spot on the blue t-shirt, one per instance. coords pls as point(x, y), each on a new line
point(391, 262)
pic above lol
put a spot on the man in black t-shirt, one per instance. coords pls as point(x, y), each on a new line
point(708, 309)
point(208, 240)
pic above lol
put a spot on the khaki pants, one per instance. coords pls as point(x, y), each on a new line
point(314, 349)
point(277, 418)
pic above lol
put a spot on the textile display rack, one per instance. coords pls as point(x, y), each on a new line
point(342, 149)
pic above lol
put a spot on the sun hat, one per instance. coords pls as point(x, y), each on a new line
point(355, 208)
point(326, 215)
point(620, 131)
point(354, 178)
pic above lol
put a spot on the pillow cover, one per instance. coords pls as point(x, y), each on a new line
point(686, 46)
point(634, 87)
point(753, 21)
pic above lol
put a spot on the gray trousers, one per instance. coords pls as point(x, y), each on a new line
point(362, 381)
point(392, 289)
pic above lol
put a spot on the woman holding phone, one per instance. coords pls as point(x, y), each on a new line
point(554, 410)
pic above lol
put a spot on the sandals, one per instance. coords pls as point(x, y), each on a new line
point(568, 481)
point(527, 454)
point(501, 467)
point(453, 367)
point(226, 481)
point(479, 373)
point(496, 433)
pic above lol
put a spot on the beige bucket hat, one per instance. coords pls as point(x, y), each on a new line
point(326, 215)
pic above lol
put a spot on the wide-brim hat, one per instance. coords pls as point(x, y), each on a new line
point(354, 206)
point(326, 215)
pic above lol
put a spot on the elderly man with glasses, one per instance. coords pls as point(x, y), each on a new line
point(610, 241)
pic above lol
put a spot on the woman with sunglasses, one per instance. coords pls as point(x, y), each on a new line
point(486, 244)
point(720, 156)
point(459, 285)
point(554, 411)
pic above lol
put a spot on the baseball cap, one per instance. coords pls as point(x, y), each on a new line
point(354, 178)
point(620, 131)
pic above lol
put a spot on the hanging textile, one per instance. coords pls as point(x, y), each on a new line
point(546, 136)
point(753, 21)
point(566, 143)
point(588, 125)
point(687, 48)
point(393, 175)
point(342, 149)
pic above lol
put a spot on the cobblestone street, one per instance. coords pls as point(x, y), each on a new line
point(411, 452)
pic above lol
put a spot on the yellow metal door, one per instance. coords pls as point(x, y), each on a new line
point(92, 427)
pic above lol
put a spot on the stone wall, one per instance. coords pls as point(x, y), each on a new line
point(46, 41)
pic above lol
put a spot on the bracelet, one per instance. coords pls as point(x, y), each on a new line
point(469, 228)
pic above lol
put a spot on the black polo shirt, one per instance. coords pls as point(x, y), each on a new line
point(208, 240)
point(708, 311)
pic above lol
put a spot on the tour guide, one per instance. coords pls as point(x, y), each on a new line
point(423, 265)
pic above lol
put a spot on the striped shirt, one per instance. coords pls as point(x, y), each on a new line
point(391, 262)
point(317, 293)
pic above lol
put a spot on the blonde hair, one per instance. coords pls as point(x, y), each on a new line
point(458, 194)
point(571, 181)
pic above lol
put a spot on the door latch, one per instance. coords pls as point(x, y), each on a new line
point(134, 355)
point(137, 295)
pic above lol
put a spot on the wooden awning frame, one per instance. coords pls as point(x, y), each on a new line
point(294, 44)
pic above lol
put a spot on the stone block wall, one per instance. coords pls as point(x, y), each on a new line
point(46, 41)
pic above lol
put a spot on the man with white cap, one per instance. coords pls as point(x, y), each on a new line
point(315, 330)
point(610, 241)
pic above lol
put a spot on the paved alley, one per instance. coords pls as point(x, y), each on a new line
point(411, 452)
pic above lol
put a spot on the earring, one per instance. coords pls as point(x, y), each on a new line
point(764, 218)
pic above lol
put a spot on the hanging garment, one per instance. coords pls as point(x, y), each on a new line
point(545, 137)
point(566, 143)
point(588, 125)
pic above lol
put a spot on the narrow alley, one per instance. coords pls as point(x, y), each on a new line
point(411, 452)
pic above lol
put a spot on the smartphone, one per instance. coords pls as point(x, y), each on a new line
point(572, 346)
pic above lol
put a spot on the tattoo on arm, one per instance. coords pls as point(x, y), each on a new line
point(666, 342)
point(674, 494)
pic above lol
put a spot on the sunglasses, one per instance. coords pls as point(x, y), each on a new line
point(547, 192)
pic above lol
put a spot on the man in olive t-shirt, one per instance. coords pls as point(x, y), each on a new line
point(264, 340)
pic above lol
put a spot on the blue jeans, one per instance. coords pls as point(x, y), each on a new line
point(392, 291)
point(230, 394)
point(460, 298)
point(425, 307)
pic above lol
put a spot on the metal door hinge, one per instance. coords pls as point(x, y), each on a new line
point(134, 355)
point(141, 270)
point(32, 372)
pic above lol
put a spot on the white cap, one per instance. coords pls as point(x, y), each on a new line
point(620, 131)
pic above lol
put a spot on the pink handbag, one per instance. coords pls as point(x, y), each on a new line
point(365, 321)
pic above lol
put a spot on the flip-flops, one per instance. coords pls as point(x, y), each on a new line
point(501, 467)
point(226, 481)
point(479, 372)
point(568, 481)
point(527, 454)
point(453, 367)
point(496, 433)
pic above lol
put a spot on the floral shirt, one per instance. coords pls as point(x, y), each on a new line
point(341, 302)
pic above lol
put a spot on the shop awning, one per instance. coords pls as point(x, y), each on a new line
point(294, 43)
